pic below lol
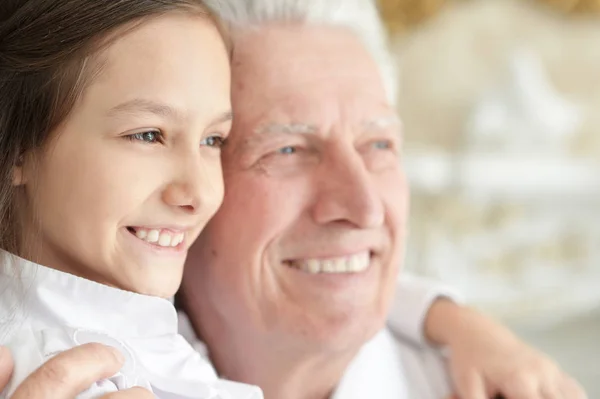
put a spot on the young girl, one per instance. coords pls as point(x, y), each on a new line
point(112, 114)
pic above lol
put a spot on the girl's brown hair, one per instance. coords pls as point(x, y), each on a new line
point(46, 49)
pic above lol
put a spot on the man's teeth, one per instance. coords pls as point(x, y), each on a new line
point(349, 264)
point(162, 238)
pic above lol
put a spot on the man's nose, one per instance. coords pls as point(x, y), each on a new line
point(347, 193)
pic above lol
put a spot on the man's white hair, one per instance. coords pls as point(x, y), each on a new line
point(361, 16)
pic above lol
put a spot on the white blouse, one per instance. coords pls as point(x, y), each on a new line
point(44, 312)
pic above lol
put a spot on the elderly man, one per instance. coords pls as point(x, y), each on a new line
point(290, 284)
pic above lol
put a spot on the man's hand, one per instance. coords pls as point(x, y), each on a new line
point(486, 359)
point(69, 373)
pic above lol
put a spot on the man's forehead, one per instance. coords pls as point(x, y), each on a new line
point(305, 81)
point(278, 55)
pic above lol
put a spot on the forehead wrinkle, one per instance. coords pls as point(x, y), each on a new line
point(382, 122)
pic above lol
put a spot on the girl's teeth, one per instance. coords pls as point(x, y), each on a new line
point(351, 264)
point(160, 238)
point(164, 240)
point(177, 239)
point(153, 236)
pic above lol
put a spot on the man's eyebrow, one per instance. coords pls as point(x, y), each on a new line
point(306, 128)
point(145, 106)
point(286, 128)
point(383, 122)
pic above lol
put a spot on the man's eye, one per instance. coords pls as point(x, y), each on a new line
point(150, 137)
point(214, 141)
point(382, 145)
point(288, 150)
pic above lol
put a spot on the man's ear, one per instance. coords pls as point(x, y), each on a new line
point(18, 175)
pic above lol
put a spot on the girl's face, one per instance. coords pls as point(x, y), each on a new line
point(134, 173)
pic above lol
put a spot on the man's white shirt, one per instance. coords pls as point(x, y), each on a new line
point(397, 363)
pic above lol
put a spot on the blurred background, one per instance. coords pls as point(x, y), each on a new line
point(501, 105)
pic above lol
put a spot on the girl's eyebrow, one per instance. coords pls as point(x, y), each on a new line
point(145, 106)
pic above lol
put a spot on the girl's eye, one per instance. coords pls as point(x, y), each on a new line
point(214, 141)
point(149, 137)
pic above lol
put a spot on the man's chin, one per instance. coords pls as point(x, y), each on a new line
point(343, 330)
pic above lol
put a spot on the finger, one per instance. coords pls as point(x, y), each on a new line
point(470, 385)
point(6, 367)
point(133, 393)
point(554, 385)
point(552, 391)
point(569, 388)
point(71, 372)
point(522, 388)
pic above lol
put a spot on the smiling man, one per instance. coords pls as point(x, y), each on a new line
point(291, 282)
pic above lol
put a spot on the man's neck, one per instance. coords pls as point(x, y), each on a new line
point(281, 370)
point(282, 375)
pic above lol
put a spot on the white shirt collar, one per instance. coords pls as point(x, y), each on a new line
point(50, 296)
point(376, 372)
point(69, 310)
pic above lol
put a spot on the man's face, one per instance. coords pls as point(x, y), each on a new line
point(307, 243)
